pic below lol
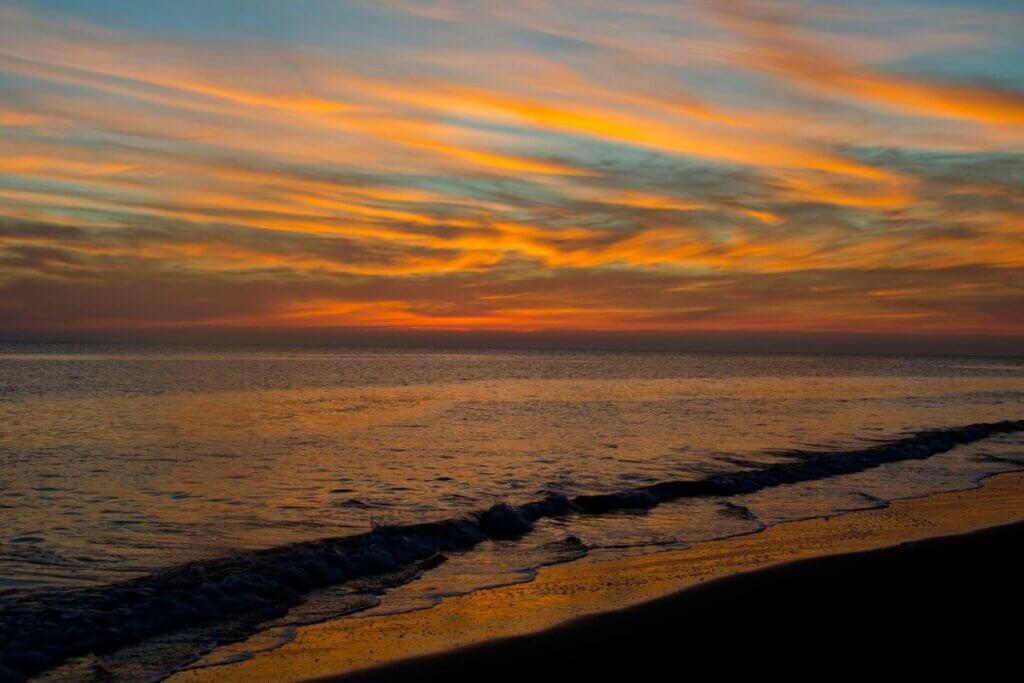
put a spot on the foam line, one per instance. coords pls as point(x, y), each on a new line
point(41, 630)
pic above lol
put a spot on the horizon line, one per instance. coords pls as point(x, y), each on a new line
point(695, 341)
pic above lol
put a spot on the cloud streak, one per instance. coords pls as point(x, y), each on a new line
point(779, 48)
point(740, 166)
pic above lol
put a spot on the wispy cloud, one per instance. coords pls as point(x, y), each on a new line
point(656, 166)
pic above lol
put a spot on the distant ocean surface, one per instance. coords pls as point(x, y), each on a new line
point(118, 462)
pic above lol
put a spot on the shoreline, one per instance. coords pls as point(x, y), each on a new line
point(565, 592)
point(921, 608)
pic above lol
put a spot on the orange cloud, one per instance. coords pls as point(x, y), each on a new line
point(657, 184)
point(780, 48)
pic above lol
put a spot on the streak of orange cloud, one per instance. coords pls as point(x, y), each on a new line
point(782, 49)
point(371, 192)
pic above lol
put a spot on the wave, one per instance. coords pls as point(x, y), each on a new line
point(39, 631)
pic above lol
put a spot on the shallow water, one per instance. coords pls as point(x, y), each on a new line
point(116, 462)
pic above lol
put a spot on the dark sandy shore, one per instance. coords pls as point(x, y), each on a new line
point(950, 607)
point(881, 601)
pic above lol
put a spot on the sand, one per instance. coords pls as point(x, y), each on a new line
point(840, 606)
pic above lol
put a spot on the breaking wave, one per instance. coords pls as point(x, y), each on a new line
point(39, 631)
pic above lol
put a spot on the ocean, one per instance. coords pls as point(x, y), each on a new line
point(160, 501)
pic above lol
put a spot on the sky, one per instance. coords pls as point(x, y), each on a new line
point(721, 169)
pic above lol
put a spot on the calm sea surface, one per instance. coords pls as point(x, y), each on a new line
point(116, 462)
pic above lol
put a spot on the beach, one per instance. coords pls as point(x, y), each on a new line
point(287, 514)
point(438, 340)
point(865, 590)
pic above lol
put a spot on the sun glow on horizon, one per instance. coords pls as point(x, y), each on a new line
point(740, 165)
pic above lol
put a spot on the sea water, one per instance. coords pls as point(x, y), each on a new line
point(124, 463)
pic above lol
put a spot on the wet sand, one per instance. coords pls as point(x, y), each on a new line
point(927, 607)
point(938, 608)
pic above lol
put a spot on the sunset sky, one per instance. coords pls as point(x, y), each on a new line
point(512, 166)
